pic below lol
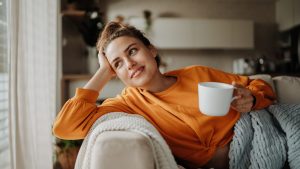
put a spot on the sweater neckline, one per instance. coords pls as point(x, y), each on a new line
point(166, 91)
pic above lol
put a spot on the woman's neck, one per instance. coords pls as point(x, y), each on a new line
point(160, 83)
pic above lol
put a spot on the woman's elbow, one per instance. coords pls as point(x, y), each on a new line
point(58, 131)
point(67, 133)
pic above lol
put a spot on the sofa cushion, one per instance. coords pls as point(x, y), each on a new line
point(287, 89)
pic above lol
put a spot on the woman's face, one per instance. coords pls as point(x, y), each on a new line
point(133, 62)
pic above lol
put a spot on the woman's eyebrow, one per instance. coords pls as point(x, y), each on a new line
point(115, 59)
point(128, 47)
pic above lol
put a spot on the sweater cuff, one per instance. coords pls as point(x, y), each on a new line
point(86, 94)
point(257, 98)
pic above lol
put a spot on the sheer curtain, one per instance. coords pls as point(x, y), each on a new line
point(5, 162)
point(33, 72)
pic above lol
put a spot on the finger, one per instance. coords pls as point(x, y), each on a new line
point(237, 92)
point(237, 88)
point(244, 100)
point(242, 91)
point(101, 54)
point(243, 108)
point(246, 104)
point(240, 104)
point(237, 85)
point(234, 108)
point(236, 99)
point(103, 61)
point(101, 57)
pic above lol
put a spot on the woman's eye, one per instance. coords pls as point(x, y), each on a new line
point(117, 64)
point(132, 51)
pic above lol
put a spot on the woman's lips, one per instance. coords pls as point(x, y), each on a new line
point(137, 72)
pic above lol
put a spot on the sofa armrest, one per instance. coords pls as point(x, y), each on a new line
point(122, 149)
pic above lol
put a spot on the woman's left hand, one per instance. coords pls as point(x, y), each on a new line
point(243, 99)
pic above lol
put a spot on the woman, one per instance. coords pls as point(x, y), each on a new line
point(169, 101)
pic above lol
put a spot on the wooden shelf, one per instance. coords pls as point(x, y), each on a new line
point(73, 77)
point(75, 13)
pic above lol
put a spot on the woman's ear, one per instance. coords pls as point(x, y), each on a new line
point(153, 50)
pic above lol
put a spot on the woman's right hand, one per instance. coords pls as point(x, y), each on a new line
point(102, 75)
point(104, 65)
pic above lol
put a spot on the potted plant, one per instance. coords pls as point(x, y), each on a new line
point(66, 153)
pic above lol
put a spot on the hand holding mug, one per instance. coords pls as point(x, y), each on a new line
point(243, 101)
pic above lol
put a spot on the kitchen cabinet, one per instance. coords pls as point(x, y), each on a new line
point(169, 33)
point(297, 12)
point(242, 34)
point(212, 33)
point(188, 33)
point(287, 14)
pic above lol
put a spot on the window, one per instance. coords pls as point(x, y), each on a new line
point(5, 162)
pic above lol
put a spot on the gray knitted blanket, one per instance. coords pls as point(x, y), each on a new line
point(267, 139)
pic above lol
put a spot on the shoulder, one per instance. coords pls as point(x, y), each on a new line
point(190, 70)
point(204, 73)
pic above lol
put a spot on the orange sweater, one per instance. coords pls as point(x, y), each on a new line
point(191, 135)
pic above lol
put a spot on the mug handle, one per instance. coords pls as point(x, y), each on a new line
point(233, 98)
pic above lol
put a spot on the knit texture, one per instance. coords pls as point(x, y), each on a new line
point(265, 139)
point(289, 119)
point(126, 122)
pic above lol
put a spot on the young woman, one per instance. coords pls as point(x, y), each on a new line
point(169, 101)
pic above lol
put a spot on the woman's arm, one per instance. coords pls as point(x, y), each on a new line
point(80, 112)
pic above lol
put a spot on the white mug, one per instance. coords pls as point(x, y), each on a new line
point(215, 98)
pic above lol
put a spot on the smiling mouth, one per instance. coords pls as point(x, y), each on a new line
point(137, 72)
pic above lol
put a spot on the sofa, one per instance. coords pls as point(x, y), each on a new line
point(131, 150)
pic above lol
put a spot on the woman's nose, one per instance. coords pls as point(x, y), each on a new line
point(130, 63)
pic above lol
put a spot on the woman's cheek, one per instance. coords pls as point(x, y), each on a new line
point(123, 75)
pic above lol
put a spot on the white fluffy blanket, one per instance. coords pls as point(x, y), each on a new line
point(267, 139)
point(126, 122)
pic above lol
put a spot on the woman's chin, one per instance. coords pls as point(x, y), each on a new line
point(140, 82)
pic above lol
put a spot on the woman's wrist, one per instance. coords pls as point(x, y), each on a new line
point(104, 73)
point(100, 78)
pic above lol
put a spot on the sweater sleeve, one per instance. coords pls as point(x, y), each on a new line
point(263, 93)
point(80, 112)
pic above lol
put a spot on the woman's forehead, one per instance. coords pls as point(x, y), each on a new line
point(119, 46)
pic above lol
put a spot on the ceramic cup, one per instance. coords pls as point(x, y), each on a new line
point(215, 98)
